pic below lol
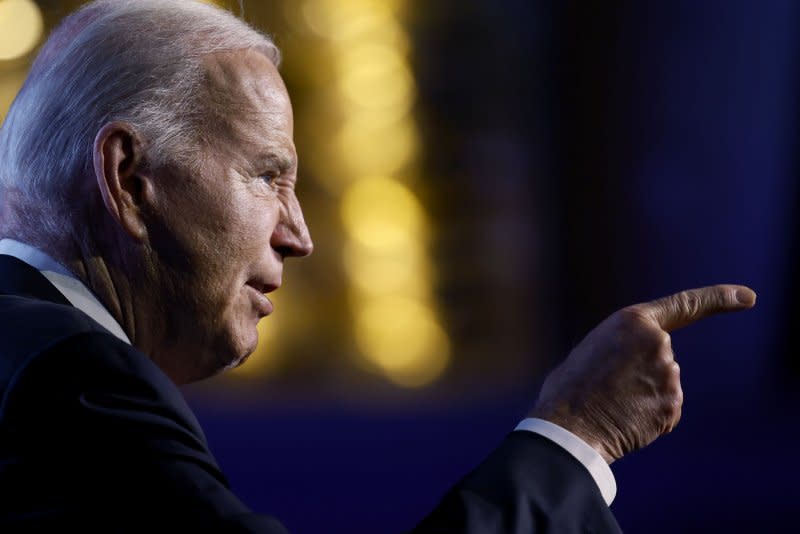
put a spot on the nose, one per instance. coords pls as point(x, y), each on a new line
point(291, 237)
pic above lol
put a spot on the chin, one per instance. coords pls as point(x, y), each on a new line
point(239, 362)
point(241, 348)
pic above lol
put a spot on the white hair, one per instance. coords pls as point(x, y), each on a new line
point(138, 61)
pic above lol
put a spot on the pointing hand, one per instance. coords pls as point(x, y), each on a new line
point(620, 389)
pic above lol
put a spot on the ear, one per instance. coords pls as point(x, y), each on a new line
point(124, 186)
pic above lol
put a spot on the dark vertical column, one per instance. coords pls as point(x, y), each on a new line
point(482, 83)
point(588, 176)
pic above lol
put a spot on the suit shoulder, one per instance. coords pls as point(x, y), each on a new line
point(29, 325)
point(91, 423)
point(85, 365)
point(97, 388)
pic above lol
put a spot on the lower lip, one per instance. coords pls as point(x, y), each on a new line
point(263, 304)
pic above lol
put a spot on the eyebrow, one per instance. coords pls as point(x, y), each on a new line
point(284, 160)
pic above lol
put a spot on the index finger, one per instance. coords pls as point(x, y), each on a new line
point(686, 307)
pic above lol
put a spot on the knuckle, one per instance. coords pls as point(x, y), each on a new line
point(635, 325)
point(722, 294)
point(630, 318)
point(664, 358)
point(665, 339)
point(689, 303)
point(674, 380)
point(679, 397)
point(670, 383)
point(662, 341)
point(674, 400)
point(672, 420)
point(672, 407)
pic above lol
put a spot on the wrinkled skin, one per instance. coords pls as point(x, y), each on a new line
point(224, 232)
point(620, 388)
point(191, 249)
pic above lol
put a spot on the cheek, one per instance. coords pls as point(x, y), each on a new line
point(226, 239)
point(226, 231)
point(234, 251)
point(192, 234)
point(256, 222)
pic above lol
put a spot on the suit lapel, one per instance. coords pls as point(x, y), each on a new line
point(19, 278)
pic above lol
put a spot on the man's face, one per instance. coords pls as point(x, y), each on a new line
point(225, 229)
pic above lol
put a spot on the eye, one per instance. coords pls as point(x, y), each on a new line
point(269, 177)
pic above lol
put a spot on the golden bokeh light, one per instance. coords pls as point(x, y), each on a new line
point(402, 337)
point(378, 119)
point(382, 214)
point(21, 27)
point(404, 271)
point(348, 20)
point(368, 147)
point(372, 141)
point(376, 77)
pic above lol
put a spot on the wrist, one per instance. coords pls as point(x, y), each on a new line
point(578, 427)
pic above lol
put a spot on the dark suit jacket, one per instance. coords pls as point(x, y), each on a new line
point(94, 437)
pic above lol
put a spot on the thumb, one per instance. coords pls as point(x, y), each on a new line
point(686, 307)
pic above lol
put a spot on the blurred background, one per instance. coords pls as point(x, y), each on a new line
point(486, 180)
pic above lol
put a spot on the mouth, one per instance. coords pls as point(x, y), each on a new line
point(260, 300)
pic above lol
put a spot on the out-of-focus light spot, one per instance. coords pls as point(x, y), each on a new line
point(403, 338)
point(347, 19)
point(384, 31)
point(403, 271)
point(21, 27)
point(382, 214)
point(374, 138)
point(377, 118)
point(368, 147)
point(360, 54)
point(377, 77)
point(323, 17)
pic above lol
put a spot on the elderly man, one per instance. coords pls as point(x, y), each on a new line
point(148, 184)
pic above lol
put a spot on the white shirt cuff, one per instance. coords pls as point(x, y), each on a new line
point(578, 448)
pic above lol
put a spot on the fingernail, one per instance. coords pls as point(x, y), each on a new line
point(745, 296)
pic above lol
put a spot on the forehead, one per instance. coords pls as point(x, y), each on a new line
point(248, 99)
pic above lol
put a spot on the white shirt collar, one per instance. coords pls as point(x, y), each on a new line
point(67, 284)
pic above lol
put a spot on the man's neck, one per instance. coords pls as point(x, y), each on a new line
point(119, 282)
point(112, 290)
point(70, 287)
